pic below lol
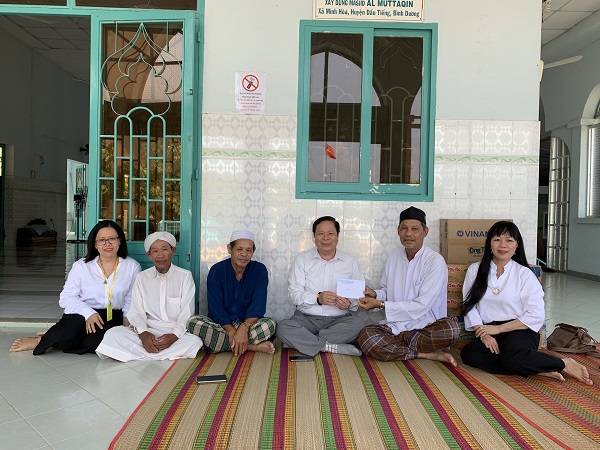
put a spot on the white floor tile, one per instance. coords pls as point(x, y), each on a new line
point(34, 399)
point(20, 363)
point(93, 368)
point(108, 384)
point(128, 400)
point(47, 377)
point(61, 424)
point(20, 435)
point(98, 439)
point(8, 413)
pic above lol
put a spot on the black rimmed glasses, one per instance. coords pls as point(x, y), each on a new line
point(103, 242)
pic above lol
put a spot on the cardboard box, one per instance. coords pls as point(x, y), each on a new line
point(457, 272)
point(455, 298)
point(462, 240)
point(456, 277)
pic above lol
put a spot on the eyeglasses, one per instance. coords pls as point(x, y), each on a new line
point(103, 242)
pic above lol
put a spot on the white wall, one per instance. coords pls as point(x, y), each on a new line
point(264, 38)
point(569, 94)
point(488, 57)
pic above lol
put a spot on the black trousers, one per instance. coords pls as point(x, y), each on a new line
point(69, 334)
point(518, 355)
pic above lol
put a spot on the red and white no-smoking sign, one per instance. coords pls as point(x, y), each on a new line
point(250, 83)
point(250, 89)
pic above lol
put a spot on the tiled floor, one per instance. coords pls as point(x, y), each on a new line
point(60, 401)
point(31, 279)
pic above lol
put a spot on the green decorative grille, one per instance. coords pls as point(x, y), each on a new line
point(141, 122)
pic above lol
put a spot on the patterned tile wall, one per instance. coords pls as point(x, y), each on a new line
point(483, 169)
point(27, 199)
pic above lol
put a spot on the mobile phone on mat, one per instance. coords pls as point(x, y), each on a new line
point(298, 358)
point(211, 379)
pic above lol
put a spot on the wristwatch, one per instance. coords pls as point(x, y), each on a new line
point(381, 304)
point(318, 300)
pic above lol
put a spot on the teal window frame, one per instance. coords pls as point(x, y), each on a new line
point(364, 190)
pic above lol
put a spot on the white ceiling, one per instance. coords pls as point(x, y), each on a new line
point(63, 40)
point(560, 15)
point(66, 40)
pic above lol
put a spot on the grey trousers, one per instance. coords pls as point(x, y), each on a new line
point(308, 334)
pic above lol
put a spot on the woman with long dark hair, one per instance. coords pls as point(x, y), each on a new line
point(96, 295)
point(504, 305)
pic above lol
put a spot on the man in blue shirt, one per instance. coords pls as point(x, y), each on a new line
point(237, 301)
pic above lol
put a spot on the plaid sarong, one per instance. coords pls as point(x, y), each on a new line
point(379, 342)
point(216, 339)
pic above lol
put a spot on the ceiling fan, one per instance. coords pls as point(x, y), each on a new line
point(560, 62)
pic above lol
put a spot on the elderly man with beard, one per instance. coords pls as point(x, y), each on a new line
point(162, 301)
point(237, 301)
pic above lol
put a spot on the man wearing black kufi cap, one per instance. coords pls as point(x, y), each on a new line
point(413, 297)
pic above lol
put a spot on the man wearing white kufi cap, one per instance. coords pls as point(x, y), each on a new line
point(237, 301)
point(162, 301)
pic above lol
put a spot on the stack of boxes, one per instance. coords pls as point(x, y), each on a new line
point(456, 278)
point(462, 241)
point(461, 244)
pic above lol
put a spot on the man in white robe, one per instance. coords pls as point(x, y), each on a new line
point(162, 302)
point(413, 298)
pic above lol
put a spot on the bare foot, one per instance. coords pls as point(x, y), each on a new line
point(439, 356)
point(577, 371)
point(554, 375)
point(264, 347)
point(23, 344)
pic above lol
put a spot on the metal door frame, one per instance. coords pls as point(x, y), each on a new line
point(188, 212)
point(194, 22)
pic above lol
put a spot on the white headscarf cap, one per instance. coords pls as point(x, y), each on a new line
point(242, 234)
point(159, 235)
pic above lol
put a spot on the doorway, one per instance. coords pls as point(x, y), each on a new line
point(162, 159)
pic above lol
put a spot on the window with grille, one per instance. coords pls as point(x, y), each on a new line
point(593, 207)
point(366, 111)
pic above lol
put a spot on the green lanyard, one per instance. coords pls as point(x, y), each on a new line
point(109, 294)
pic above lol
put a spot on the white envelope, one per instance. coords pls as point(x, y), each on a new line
point(350, 288)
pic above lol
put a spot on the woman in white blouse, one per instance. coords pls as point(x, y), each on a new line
point(95, 297)
point(504, 305)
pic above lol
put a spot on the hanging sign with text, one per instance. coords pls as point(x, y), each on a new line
point(384, 10)
point(250, 90)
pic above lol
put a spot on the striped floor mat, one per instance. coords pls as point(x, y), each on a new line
point(343, 402)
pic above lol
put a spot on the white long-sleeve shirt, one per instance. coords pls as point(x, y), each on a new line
point(84, 291)
point(311, 274)
point(521, 297)
point(415, 291)
point(162, 303)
